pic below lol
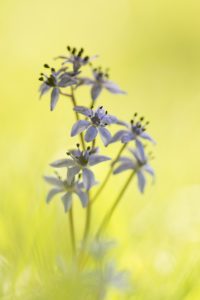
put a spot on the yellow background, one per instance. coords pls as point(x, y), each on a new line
point(153, 51)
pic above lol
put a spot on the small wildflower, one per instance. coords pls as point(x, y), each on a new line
point(81, 161)
point(136, 130)
point(76, 58)
point(55, 81)
point(100, 81)
point(139, 164)
point(67, 187)
point(98, 120)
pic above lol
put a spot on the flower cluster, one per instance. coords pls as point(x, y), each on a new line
point(92, 121)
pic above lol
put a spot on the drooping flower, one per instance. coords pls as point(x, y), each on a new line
point(139, 164)
point(98, 120)
point(67, 187)
point(76, 58)
point(81, 161)
point(54, 82)
point(101, 80)
point(136, 131)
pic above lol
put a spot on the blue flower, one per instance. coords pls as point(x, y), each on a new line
point(76, 58)
point(100, 81)
point(81, 161)
point(139, 164)
point(56, 80)
point(67, 187)
point(136, 130)
point(98, 120)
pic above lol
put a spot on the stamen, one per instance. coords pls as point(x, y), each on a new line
point(46, 66)
point(142, 118)
point(69, 48)
point(77, 145)
point(132, 122)
point(53, 70)
point(86, 58)
point(41, 79)
point(88, 148)
point(101, 107)
point(74, 51)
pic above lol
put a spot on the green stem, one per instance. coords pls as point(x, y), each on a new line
point(72, 231)
point(114, 206)
point(88, 222)
point(108, 175)
point(77, 117)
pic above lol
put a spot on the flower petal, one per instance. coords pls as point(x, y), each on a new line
point(88, 179)
point(149, 170)
point(52, 193)
point(118, 136)
point(146, 136)
point(54, 97)
point(127, 137)
point(44, 88)
point(67, 201)
point(105, 135)
point(140, 151)
point(95, 91)
point(72, 172)
point(62, 163)
point(83, 110)
point(53, 180)
point(79, 127)
point(96, 159)
point(83, 197)
point(91, 134)
point(109, 119)
point(113, 87)
point(141, 181)
point(124, 167)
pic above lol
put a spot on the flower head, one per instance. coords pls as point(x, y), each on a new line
point(76, 58)
point(81, 161)
point(97, 121)
point(139, 164)
point(68, 187)
point(55, 81)
point(101, 80)
point(136, 130)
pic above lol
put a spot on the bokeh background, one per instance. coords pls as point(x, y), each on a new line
point(153, 51)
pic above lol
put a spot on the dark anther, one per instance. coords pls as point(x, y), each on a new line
point(106, 112)
point(135, 114)
point(95, 69)
point(68, 48)
point(41, 79)
point(147, 123)
point(74, 51)
point(132, 122)
point(105, 124)
point(79, 176)
point(88, 148)
point(92, 106)
point(101, 107)
point(78, 145)
point(53, 70)
point(86, 58)
point(142, 118)
point(68, 153)
point(42, 74)
point(46, 66)
point(80, 52)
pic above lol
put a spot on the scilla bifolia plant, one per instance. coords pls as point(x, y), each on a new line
point(92, 122)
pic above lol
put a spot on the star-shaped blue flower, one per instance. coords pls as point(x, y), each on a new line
point(81, 161)
point(67, 187)
point(139, 164)
point(98, 120)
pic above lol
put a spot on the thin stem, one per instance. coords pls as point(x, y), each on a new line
point(114, 206)
point(108, 175)
point(72, 231)
point(77, 116)
point(88, 222)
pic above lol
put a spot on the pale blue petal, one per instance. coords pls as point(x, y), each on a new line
point(105, 135)
point(124, 167)
point(88, 179)
point(113, 87)
point(67, 201)
point(141, 181)
point(62, 163)
point(127, 137)
point(83, 110)
point(125, 159)
point(96, 159)
point(79, 127)
point(140, 151)
point(109, 119)
point(54, 97)
point(118, 136)
point(44, 88)
point(149, 169)
point(91, 134)
point(83, 197)
point(53, 180)
point(52, 193)
point(146, 136)
point(72, 172)
point(95, 91)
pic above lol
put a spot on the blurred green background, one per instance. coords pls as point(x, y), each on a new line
point(153, 51)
